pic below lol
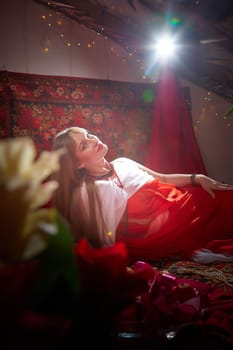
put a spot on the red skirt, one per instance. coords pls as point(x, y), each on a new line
point(188, 219)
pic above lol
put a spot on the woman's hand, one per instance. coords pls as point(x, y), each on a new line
point(210, 185)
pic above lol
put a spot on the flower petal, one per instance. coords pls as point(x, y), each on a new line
point(40, 195)
point(16, 156)
point(47, 163)
point(35, 245)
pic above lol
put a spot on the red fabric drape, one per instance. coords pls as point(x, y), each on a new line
point(173, 147)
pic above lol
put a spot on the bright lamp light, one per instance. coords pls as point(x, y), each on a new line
point(165, 47)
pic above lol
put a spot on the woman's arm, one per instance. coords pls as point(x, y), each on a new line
point(179, 180)
point(175, 179)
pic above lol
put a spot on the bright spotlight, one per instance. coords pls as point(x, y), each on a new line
point(165, 47)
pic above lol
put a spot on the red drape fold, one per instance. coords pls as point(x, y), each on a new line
point(173, 147)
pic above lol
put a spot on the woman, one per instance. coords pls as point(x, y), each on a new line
point(156, 215)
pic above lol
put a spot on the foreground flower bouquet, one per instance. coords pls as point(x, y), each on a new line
point(36, 247)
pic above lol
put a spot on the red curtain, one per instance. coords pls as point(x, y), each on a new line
point(173, 147)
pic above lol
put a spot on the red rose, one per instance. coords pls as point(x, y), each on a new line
point(105, 275)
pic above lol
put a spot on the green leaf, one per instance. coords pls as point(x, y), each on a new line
point(229, 112)
point(58, 271)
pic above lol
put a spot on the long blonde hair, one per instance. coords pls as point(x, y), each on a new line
point(67, 198)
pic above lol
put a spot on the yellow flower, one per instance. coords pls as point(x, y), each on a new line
point(24, 189)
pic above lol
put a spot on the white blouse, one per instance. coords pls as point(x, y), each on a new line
point(114, 194)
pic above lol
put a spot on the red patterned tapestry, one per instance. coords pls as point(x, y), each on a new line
point(39, 106)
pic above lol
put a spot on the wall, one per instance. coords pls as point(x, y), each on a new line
point(74, 51)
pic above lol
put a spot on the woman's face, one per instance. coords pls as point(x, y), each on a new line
point(89, 149)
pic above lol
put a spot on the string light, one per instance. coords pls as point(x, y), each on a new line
point(208, 108)
point(209, 103)
point(55, 21)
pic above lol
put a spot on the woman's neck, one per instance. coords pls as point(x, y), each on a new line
point(103, 169)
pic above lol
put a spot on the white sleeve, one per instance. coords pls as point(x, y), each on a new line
point(113, 201)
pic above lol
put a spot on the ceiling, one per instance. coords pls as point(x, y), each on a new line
point(204, 27)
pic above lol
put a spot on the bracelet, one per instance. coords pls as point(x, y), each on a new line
point(193, 181)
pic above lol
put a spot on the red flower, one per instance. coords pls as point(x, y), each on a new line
point(16, 282)
point(105, 275)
